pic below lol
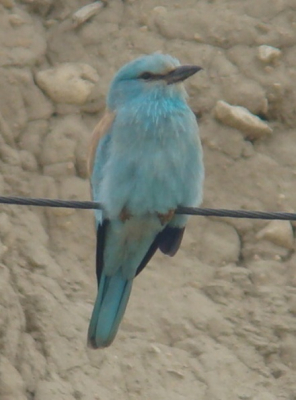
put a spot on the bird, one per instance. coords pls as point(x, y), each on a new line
point(145, 161)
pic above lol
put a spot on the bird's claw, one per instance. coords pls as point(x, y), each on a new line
point(124, 215)
point(165, 218)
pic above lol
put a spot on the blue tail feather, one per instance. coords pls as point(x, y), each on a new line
point(117, 267)
point(109, 308)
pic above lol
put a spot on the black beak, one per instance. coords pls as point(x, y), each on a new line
point(181, 73)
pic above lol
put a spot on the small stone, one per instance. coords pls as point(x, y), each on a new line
point(241, 118)
point(160, 10)
point(7, 3)
point(279, 233)
point(197, 37)
point(176, 373)
point(268, 54)
point(50, 22)
point(154, 349)
point(86, 12)
point(16, 20)
point(69, 83)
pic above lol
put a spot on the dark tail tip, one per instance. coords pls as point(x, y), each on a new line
point(91, 344)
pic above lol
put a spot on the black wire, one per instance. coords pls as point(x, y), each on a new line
point(89, 205)
point(25, 201)
point(212, 212)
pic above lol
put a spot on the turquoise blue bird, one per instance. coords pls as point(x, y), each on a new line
point(145, 161)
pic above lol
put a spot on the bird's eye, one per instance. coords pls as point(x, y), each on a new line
point(146, 76)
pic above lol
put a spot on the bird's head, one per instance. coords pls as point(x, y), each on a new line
point(151, 74)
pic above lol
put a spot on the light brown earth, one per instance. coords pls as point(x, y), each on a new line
point(218, 321)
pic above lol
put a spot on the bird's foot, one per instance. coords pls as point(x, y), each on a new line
point(165, 218)
point(124, 215)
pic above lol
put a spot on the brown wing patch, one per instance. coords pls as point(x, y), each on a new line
point(99, 132)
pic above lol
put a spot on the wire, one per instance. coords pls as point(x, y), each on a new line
point(89, 205)
point(212, 212)
point(26, 201)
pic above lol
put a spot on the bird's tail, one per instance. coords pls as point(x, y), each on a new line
point(109, 308)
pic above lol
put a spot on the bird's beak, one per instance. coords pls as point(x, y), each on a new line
point(179, 74)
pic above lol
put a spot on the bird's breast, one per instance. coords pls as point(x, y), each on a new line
point(155, 162)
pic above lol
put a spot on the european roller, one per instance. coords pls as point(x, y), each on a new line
point(145, 161)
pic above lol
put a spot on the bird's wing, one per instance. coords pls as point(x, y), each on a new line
point(170, 239)
point(167, 241)
point(100, 130)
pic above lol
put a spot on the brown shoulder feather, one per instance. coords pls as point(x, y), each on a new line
point(100, 130)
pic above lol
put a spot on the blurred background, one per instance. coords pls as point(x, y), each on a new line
point(216, 322)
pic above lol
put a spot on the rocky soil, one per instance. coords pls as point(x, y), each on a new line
point(216, 322)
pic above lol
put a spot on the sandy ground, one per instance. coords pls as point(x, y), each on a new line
point(217, 322)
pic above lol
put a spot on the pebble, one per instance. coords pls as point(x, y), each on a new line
point(197, 37)
point(154, 349)
point(16, 20)
point(144, 28)
point(241, 118)
point(279, 233)
point(69, 83)
point(86, 12)
point(160, 10)
point(7, 3)
point(268, 54)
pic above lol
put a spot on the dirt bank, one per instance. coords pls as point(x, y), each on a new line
point(217, 322)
